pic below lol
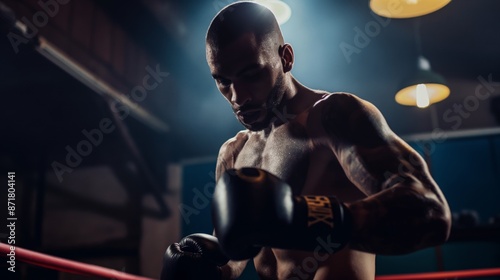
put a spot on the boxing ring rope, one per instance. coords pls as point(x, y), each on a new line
point(74, 267)
point(64, 265)
point(457, 274)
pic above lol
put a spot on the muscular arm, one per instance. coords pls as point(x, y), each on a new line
point(225, 160)
point(404, 210)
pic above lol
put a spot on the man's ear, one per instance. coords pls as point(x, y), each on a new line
point(286, 54)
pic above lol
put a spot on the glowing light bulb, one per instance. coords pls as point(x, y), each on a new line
point(422, 96)
point(281, 10)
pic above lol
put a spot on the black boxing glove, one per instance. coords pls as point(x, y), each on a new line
point(196, 256)
point(252, 209)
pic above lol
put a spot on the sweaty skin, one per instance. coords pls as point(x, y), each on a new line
point(325, 144)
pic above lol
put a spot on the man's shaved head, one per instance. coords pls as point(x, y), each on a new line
point(249, 61)
point(240, 18)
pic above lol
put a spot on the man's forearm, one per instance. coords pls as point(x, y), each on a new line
point(399, 220)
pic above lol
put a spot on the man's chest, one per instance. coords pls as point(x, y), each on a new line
point(285, 152)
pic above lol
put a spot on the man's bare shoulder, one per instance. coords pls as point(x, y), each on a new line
point(229, 151)
point(346, 116)
point(234, 143)
point(343, 102)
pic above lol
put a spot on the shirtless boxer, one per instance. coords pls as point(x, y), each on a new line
point(319, 143)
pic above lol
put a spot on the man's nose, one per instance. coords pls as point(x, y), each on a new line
point(239, 96)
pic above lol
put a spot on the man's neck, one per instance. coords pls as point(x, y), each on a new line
point(297, 99)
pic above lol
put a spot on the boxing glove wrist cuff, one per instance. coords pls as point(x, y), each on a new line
point(322, 223)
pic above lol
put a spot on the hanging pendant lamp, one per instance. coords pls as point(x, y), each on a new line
point(423, 88)
point(406, 8)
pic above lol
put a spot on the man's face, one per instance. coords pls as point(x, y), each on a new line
point(250, 76)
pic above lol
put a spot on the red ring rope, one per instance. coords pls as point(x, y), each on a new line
point(64, 265)
point(74, 267)
point(444, 274)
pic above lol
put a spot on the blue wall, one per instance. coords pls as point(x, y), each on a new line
point(197, 189)
point(467, 171)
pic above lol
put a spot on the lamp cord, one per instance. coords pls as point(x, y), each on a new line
point(417, 37)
